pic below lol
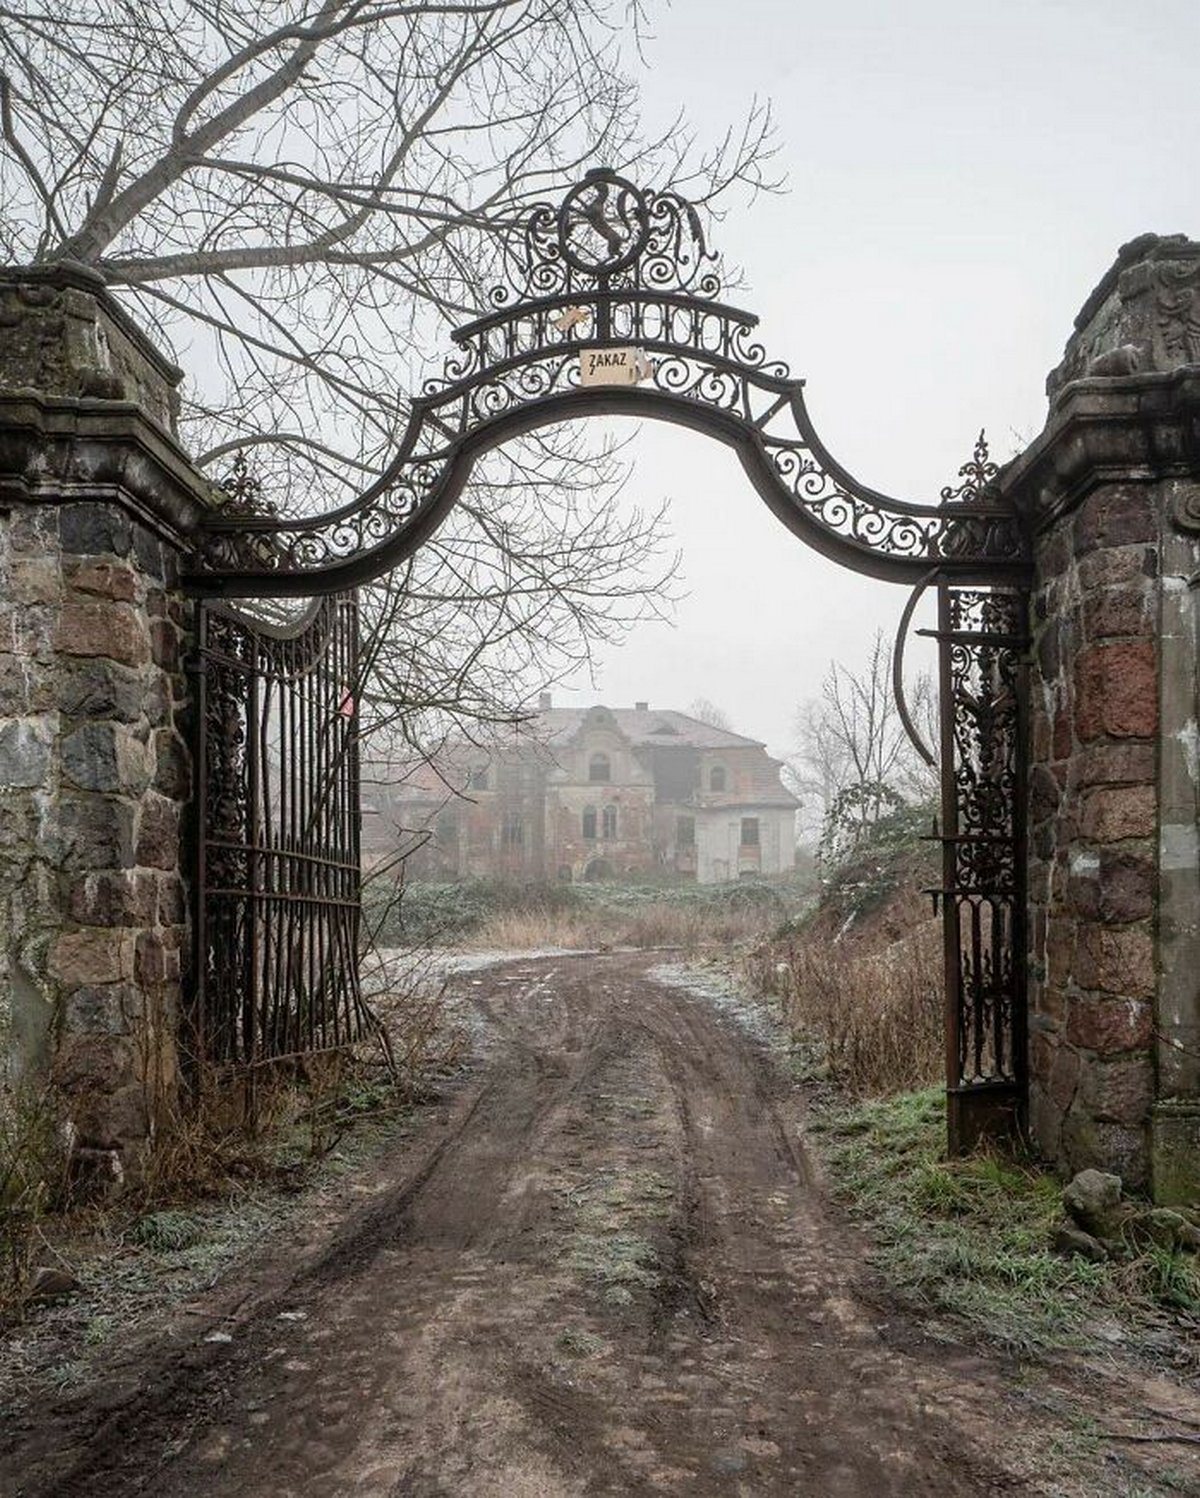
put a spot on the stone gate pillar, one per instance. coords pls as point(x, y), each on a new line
point(96, 497)
point(1112, 489)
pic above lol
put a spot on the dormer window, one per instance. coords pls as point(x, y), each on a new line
point(599, 768)
point(716, 778)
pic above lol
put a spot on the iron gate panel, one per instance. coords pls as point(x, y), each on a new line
point(279, 880)
point(982, 639)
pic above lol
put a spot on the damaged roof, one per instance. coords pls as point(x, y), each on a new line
point(641, 726)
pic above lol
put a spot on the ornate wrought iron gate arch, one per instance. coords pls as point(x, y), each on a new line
point(647, 300)
point(611, 308)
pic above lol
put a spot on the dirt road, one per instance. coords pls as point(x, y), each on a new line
point(603, 1268)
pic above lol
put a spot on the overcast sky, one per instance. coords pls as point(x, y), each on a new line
point(960, 175)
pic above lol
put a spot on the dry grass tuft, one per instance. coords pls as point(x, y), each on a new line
point(33, 1182)
point(645, 924)
point(875, 1016)
point(531, 930)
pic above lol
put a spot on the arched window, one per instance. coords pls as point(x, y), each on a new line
point(599, 768)
point(610, 821)
point(716, 778)
point(589, 824)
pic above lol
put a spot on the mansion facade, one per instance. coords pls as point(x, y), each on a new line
point(584, 794)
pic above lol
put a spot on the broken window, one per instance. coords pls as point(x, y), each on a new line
point(716, 778)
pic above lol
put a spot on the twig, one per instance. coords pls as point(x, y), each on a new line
point(1182, 1437)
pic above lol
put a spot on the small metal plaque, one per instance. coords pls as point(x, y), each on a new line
point(613, 366)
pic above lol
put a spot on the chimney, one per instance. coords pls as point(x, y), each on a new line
point(545, 702)
point(641, 707)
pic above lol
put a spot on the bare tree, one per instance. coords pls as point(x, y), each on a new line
point(301, 194)
point(707, 711)
point(853, 751)
point(297, 198)
point(464, 634)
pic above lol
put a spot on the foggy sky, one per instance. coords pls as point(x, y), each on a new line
point(960, 175)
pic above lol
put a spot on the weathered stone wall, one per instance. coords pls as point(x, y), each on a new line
point(94, 776)
point(95, 498)
point(1093, 805)
point(1111, 491)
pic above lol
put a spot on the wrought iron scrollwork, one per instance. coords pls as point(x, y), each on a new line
point(611, 266)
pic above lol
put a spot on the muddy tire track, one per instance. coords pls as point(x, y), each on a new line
point(602, 1268)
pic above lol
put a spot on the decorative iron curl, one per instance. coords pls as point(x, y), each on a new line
point(614, 266)
point(607, 233)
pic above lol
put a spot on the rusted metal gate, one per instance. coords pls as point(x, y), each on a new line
point(982, 642)
point(278, 873)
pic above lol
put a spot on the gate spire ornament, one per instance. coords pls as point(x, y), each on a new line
point(978, 476)
point(610, 306)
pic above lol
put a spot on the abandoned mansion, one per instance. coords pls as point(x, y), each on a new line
point(589, 794)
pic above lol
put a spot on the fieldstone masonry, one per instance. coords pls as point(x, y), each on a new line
point(1112, 488)
point(95, 499)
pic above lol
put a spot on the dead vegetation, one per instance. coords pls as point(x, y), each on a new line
point(859, 982)
point(659, 923)
point(531, 915)
point(228, 1137)
point(33, 1180)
